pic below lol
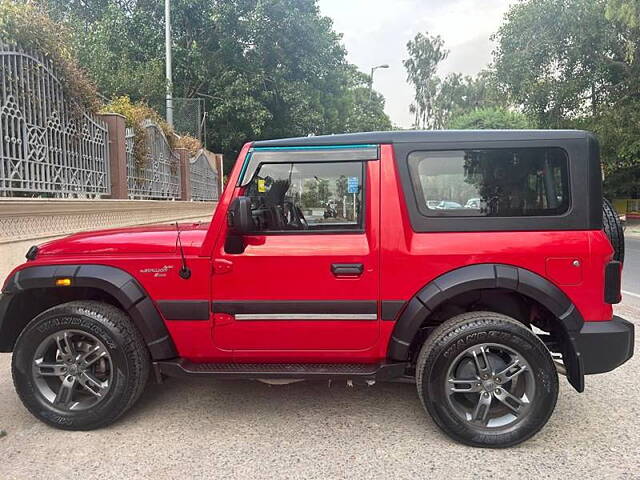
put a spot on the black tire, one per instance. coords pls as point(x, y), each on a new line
point(127, 355)
point(612, 226)
point(471, 330)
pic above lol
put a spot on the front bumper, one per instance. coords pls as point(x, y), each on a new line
point(604, 346)
point(5, 344)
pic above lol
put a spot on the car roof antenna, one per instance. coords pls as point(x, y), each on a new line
point(185, 272)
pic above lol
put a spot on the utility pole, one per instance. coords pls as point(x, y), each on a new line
point(373, 69)
point(167, 47)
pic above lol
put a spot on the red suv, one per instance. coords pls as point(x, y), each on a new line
point(473, 261)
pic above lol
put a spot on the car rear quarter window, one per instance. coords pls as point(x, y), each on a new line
point(517, 182)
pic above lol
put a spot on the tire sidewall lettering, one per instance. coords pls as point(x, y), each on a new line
point(73, 317)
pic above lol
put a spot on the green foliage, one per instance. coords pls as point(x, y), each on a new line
point(118, 52)
point(28, 27)
point(624, 11)
point(459, 95)
point(266, 68)
point(491, 118)
point(558, 58)
point(357, 111)
point(576, 64)
point(618, 129)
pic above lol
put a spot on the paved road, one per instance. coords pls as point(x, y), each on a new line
point(195, 428)
point(631, 271)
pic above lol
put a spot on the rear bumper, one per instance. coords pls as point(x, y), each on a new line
point(604, 346)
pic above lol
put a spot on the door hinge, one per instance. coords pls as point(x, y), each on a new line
point(221, 265)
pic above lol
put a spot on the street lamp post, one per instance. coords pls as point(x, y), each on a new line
point(373, 69)
point(167, 48)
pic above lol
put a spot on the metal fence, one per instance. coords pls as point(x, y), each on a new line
point(158, 177)
point(47, 148)
point(188, 117)
point(204, 178)
point(633, 206)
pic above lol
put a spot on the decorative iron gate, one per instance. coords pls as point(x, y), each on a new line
point(45, 149)
point(159, 176)
point(204, 178)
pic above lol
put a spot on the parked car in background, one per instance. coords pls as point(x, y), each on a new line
point(473, 203)
point(448, 205)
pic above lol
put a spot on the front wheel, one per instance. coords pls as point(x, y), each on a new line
point(80, 365)
point(486, 380)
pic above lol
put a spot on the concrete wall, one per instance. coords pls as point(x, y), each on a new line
point(26, 222)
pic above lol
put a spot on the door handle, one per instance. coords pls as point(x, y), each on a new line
point(347, 269)
point(220, 265)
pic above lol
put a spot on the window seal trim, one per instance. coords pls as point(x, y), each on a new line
point(258, 156)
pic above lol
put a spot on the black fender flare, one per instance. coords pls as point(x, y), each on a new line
point(488, 276)
point(116, 282)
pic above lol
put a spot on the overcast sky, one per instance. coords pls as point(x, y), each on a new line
point(377, 31)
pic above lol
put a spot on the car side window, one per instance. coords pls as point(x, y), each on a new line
point(312, 197)
point(491, 182)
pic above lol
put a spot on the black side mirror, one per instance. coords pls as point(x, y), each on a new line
point(239, 217)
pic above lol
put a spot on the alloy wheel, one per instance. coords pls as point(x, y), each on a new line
point(72, 370)
point(490, 386)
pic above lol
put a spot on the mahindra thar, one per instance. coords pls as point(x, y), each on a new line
point(482, 264)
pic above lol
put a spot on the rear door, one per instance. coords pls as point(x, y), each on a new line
point(307, 280)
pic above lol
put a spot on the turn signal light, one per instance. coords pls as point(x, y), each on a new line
point(63, 282)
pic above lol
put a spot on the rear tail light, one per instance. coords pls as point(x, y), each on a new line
point(612, 277)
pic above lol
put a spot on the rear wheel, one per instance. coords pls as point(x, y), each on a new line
point(486, 380)
point(80, 365)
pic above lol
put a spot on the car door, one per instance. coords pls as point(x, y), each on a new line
point(307, 279)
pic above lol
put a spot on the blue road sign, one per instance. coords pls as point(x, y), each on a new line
point(352, 184)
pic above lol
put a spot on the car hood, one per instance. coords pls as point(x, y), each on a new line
point(145, 239)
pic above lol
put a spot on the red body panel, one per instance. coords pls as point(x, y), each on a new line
point(428, 255)
point(398, 262)
point(146, 239)
point(298, 267)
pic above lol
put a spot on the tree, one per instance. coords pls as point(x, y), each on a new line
point(323, 190)
point(576, 63)
point(459, 95)
point(266, 68)
point(491, 118)
point(437, 100)
point(309, 197)
point(361, 113)
point(425, 54)
point(559, 59)
point(342, 186)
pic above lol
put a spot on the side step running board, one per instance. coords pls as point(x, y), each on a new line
point(380, 372)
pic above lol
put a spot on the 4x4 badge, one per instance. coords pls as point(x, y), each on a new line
point(158, 272)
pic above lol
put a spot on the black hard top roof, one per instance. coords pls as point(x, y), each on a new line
point(423, 136)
